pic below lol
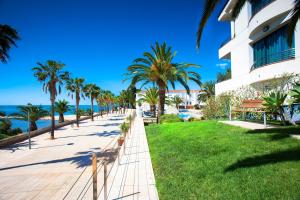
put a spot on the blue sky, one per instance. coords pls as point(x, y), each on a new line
point(98, 39)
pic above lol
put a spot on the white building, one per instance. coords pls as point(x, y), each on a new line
point(189, 100)
point(258, 49)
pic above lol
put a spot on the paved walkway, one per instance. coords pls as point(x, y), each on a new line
point(133, 177)
point(61, 168)
point(247, 125)
point(253, 126)
point(51, 167)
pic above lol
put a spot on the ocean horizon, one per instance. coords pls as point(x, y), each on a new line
point(10, 109)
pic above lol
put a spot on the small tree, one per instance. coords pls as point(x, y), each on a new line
point(273, 103)
point(176, 100)
point(34, 112)
point(61, 107)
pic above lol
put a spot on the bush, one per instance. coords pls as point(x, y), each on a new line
point(170, 118)
point(217, 107)
point(124, 127)
point(14, 131)
point(191, 119)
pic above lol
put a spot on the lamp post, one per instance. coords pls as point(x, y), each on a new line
point(29, 139)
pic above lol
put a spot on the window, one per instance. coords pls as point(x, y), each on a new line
point(257, 5)
point(273, 48)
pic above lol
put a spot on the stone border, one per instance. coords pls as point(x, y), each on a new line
point(24, 136)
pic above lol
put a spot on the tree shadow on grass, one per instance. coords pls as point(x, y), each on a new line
point(285, 130)
point(277, 133)
point(266, 159)
point(81, 159)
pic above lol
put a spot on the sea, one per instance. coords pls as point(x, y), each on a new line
point(10, 109)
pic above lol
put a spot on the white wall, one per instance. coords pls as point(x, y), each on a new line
point(247, 30)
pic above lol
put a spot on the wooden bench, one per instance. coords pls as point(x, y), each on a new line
point(254, 106)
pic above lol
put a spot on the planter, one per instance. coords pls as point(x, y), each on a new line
point(121, 141)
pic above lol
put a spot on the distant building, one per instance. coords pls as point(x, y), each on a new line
point(258, 49)
point(189, 100)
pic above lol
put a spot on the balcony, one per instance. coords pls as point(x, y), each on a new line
point(225, 49)
point(225, 42)
point(274, 58)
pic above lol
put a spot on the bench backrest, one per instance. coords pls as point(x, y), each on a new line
point(252, 104)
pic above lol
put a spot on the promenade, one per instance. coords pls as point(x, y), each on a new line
point(61, 168)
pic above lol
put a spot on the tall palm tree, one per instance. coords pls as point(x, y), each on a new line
point(51, 75)
point(210, 6)
point(35, 113)
point(151, 97)
point(100, 101)
point(159, 68)
point(124, 99)
point(76, 85)
point(177, 101)
point(91, 91)
point(8, 36)
point(108, 99)
point(61, 107)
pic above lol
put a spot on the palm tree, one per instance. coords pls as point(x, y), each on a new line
point(151, 97)
point(177, 101)
point(209, 88)
point(8, 36)
point(91, 91)
point(158, 67)
point(273, 103)
point(61, 107)
point(76, 85)
point(51, 75)
point(123, 100)
point(210, 6)
point(100, 101)
point(108, 99)
point(223, 76)
point(34, 112)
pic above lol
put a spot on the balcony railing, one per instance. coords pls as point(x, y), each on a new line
point(274, 58)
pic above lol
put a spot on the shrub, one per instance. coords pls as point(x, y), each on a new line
point(170, 118)
point(14, 131)
point(217, 107)
point(191, 119)
point(124, 127)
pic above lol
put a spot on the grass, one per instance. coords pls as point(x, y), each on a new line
point(211, 160)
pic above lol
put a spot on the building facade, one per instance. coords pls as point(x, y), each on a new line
point(189, 100)
point(258, 48)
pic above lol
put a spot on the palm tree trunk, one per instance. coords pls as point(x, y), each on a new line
point(161, 102)
point(61, 118)
point(33, 126)
point(52, 99)
point(92, 107)
point(77, 109)
point(154, 110)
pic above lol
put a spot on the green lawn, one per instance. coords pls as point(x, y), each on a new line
point(211, 160)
